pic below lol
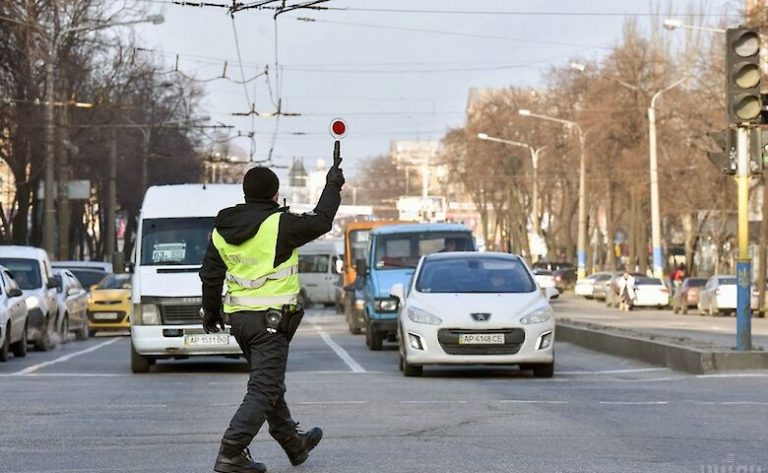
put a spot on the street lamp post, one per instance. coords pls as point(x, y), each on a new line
point(581, 244)
point(49, 214)
point(536, 223)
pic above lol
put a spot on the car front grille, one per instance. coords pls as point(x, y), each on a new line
point(449, 342)
point(180, 314)
point(101, 317)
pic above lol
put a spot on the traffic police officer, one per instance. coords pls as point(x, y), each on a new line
point(254, 249)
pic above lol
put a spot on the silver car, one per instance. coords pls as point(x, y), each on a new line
point(13, 317)
point(73, 306)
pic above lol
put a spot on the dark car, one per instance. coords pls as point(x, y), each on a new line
point(552, 265)
point(565, 278)
point(687, 295)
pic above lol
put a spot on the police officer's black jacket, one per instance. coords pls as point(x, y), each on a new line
point(240, 223)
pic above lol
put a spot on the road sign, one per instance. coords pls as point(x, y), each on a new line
point(338, 128)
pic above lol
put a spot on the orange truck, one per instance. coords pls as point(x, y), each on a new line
point(356, 240)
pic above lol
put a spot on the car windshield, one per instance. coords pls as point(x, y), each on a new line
point(475, 275)
point(175, 241)
point(358, 244)
point(88, 277)
point(25, 271)
point(115, 281)
point(403, 250)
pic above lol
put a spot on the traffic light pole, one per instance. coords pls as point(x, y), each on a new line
point(744, 263)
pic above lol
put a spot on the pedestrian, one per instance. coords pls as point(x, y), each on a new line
point(254, 249)
point(627, 293)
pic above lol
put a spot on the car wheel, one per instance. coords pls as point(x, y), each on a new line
point(372, 339)
point(353, 329)
point(543, 370)
point(91, 332)
point(675, 310)
point(684, 309)
point(140, 363)
point(65, 329)
point(6, 348)
point(20, 348)
point(83, 333)
point(410, 370)
point(400, 363)
point(44, 342)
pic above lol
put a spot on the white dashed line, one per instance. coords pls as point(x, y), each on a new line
point(333, 403)
point(628, 371)
point(61, 359)
point(432, 402)
point(635, 403)
point(530, 401)
point(733, 375)
point(342, 353)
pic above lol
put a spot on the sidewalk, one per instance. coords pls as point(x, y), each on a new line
point(690, 330)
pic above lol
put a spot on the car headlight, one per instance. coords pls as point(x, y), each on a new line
point(149, 314)
point(538, 316)
point(386, 305)
point(32, 302)
point(423, 317)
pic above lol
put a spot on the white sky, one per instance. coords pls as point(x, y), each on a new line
point(375, 77)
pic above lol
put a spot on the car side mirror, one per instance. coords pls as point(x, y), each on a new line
point(361, 267)
point(15, 292)
point(73, 291)
point(398, 290)
point(551, 293)
point(92, 288)
point(54, 282)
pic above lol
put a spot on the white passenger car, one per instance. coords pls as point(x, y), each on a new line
point(13, 317)
point(718, 296)
point(474, 308)
point(650, 292)
point(586, 286)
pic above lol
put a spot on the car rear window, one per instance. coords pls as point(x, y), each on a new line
point(697, 282)
point(475, 275)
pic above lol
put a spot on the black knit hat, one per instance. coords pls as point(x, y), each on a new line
point(260, 183)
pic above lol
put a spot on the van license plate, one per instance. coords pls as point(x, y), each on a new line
point(481, 339)
point(204, 340)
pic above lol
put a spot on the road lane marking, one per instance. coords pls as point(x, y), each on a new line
point(432, 402)
point(733, 375)
point(333, 403)
point(635, 403)
point(61, 359)
point(530, 401)
point(626, 371)
point(67, 375)
point(342, 353)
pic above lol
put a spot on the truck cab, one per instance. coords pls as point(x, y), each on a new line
point(393, 255)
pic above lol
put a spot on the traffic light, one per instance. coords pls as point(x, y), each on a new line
point(743, 75)
point(725, 157)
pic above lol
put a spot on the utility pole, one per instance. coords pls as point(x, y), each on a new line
point(49, 213)
point(63, 185)
point(744, 262)
point(109, 240)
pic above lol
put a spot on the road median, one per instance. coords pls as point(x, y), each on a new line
point(678, 353)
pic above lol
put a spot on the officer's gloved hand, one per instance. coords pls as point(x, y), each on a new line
point(335, 177)
point(212, 320)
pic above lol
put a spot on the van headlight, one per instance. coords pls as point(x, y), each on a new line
point(150, 315)
point(423, 317)
point(32, 302)
point(386, 305)
point(538, 316)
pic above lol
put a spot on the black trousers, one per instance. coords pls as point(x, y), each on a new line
point(267, 355)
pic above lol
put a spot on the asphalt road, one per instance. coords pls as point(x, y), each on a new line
point(79, 409)
point(720, 330)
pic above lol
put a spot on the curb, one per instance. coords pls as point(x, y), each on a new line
point(652, 349)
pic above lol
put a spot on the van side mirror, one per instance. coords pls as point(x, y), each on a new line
point(15, 292)
point(54, 282)
point(361, 267)
point(129, 267)
point(398, 290)
point(339, 266)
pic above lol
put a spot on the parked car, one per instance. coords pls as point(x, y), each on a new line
point(651, 292)
point(474, 308)
point(565, 278)
point(73, 306)
point(718, 295)
point(109, 304)
point(552, 265)
point(32, 270)
point(93, 265)
point(611, 288)
point(13, 317)
point(586, 286)
point(88, 277)
point(544, 278)
point(687, 295)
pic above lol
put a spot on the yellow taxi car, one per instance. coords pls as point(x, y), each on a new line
point(109, 304)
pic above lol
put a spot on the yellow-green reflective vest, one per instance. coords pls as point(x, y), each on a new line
point(253, 283)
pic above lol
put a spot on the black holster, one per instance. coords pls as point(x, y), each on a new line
point(291, 319)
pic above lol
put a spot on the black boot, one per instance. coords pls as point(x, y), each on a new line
point(298, 445)
point(233, 460)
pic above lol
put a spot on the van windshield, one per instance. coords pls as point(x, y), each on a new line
point(403, 250)
point(25, 271)
point(175, 241)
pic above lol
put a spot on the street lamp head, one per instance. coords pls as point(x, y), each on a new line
point(156, 19)
point(524, 112)
point(482, 136)
point(671, 23)
point(577, 66)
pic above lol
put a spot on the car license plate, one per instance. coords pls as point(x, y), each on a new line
point(104, 315)
point(207, 339)
point(481, 339)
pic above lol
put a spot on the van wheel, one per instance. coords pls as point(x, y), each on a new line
point(372, 339)
point(140, 363)
point(6, 348)
point(44, 342)
point(20, 348)
point(65, 330)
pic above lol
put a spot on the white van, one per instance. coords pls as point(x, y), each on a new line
point(175, 225)
point(320, 270)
